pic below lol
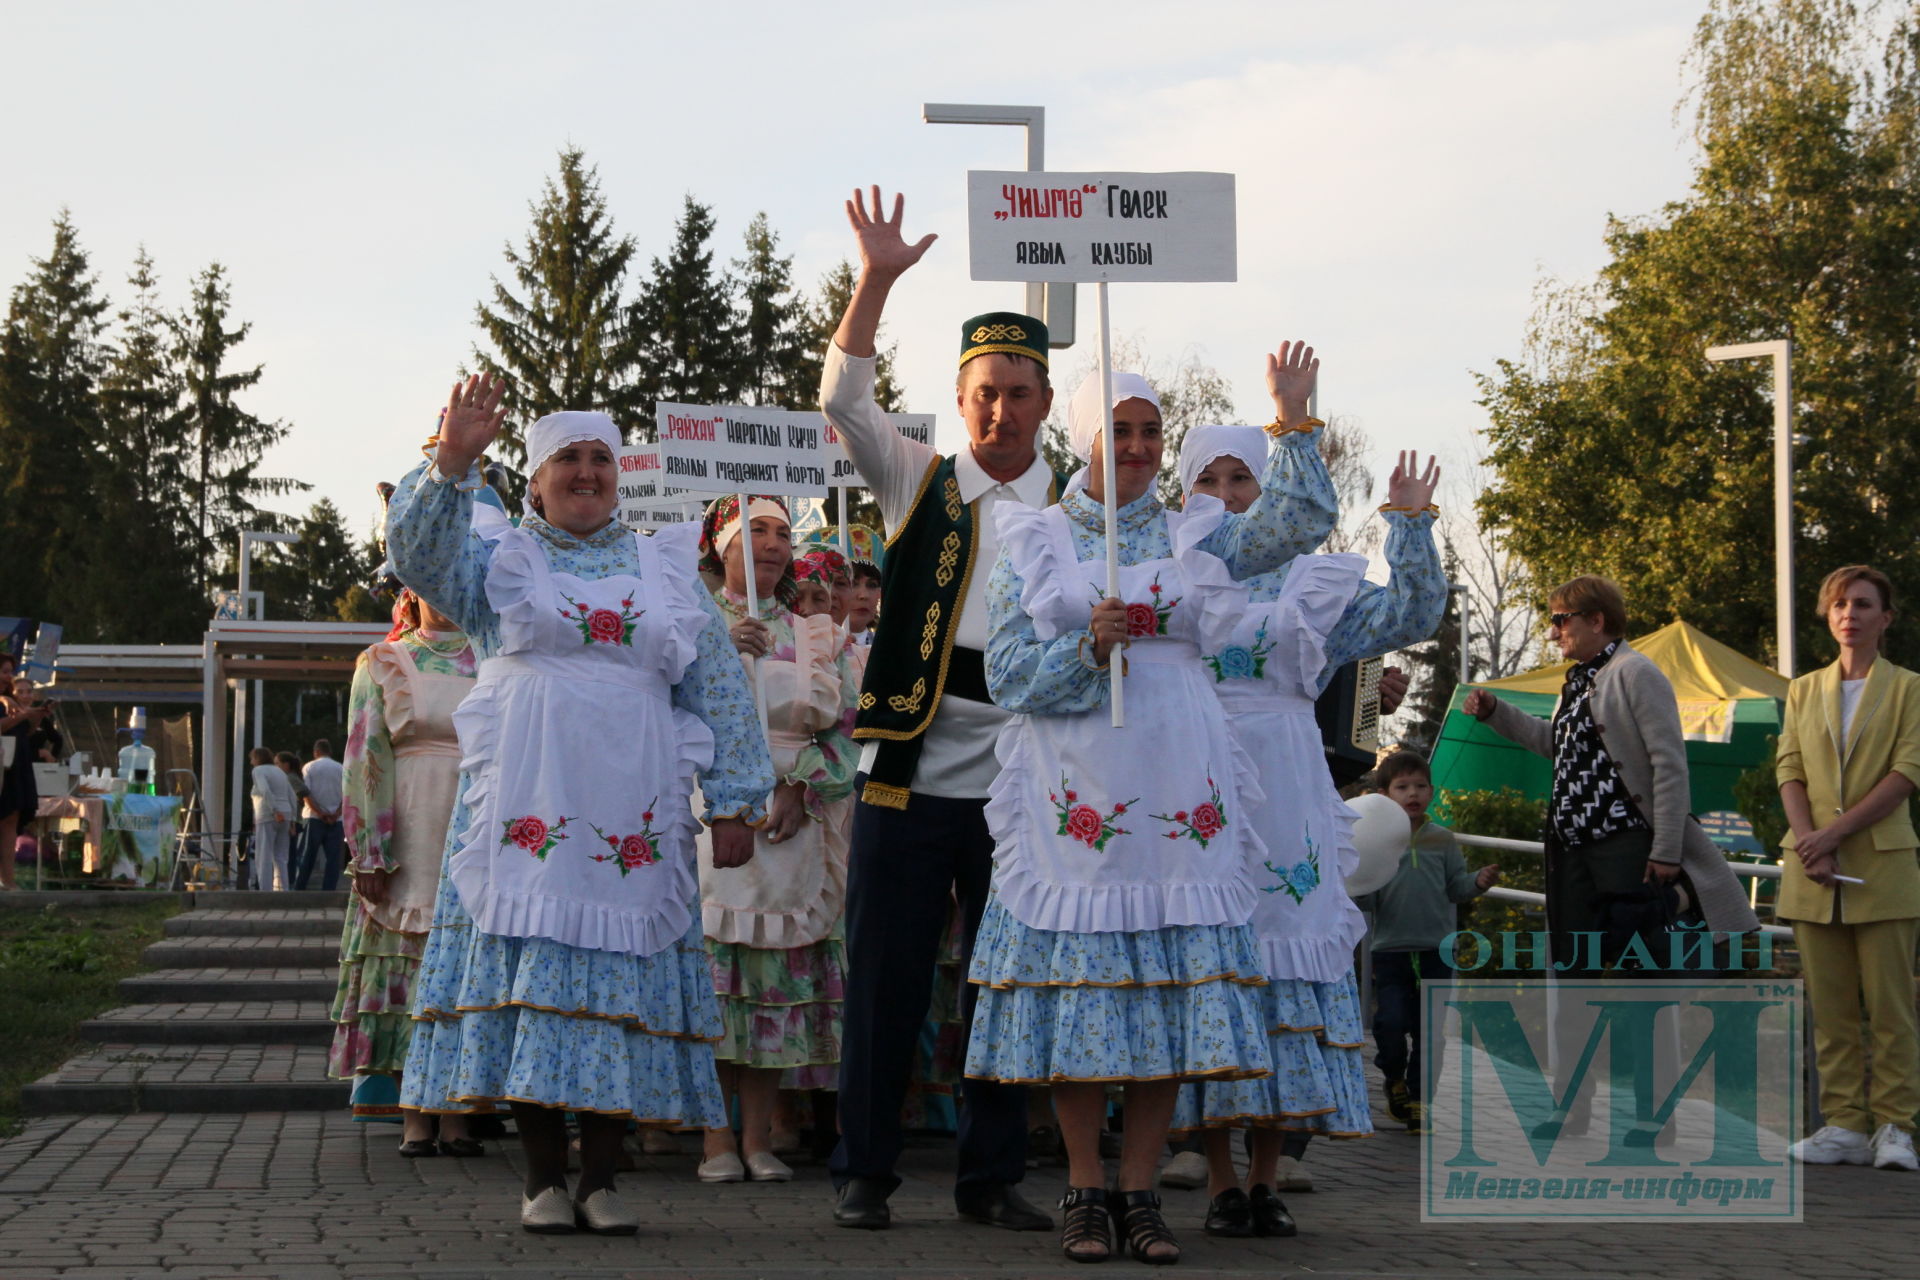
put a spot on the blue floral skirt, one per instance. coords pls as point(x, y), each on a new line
point(1179, 1003)
point(500, 1020)
point(1319, 1082)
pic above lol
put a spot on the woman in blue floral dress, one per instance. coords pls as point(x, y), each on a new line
point(1115, 949)
point(565, 969)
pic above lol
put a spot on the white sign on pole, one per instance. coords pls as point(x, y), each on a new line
point(840, 468)
point(1036, 226)
point(644, 501)
point(731, 449)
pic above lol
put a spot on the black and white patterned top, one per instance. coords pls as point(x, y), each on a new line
point(1589, 801)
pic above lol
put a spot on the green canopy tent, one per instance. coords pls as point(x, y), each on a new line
point(1729, 706)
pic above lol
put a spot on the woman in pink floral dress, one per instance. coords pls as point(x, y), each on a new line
point(402, 764)
point(773, 925)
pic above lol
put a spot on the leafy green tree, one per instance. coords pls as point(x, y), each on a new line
point(51, 359)
point(226, 441)
point(564, 341)
point(691, 349)
point(1618, 449)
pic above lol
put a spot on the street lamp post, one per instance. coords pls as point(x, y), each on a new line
point(1052, 304)
point(249, 538)
point(1781, 350)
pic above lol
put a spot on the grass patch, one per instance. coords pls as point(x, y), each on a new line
point(60, 966)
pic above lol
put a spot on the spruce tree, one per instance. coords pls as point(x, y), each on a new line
point(312, 579)
point(779, 363)
point(226, 441)
point(829, 304)
point(51, 357)
point(143, 461)
point(690, 341)
point(563, 341)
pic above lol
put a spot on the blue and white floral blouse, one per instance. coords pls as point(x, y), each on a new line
point(433, 549)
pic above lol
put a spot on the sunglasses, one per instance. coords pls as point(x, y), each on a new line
point(1560, 619)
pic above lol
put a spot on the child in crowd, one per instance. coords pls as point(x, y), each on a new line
point(1411, 914)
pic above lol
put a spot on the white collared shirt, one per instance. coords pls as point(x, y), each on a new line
point(956, 756)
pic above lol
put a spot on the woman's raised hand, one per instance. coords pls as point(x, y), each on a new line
point(1292, 373)
point(475, 410)
point(883, 250)
point(1410, 487)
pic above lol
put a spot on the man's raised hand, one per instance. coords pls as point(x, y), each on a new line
point(475, 410)
point(883, 250)
point(1408, 486)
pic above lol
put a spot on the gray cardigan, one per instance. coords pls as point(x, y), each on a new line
point(1638, 721)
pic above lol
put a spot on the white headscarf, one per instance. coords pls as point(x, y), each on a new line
point(558, 430)
point(1084, 416)
point(756, 507)
point(1208, 441)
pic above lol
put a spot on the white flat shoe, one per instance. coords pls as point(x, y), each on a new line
point(604, 1213)
point(764, 1166)
point(549, 1213)
point(726, 1168)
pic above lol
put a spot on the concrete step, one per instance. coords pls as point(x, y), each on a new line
point(187, 1077)
point(242, 953)
point(264, 900)
point(257, 1022)
point(211, 923)
point(213, 985)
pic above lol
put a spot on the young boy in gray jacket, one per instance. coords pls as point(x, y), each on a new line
point(1411, 914)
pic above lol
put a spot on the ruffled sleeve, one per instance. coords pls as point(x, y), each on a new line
point(1317, 593)
point(713, 686)
point(1212, 593)
point(435, 549)
point(368, 809)
point(1405, 611)
point(1033, 668)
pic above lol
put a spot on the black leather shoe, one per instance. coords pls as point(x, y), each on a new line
point(1230, 1215)
point(998, 1205)
point(1270, 1217)
point(863, 1204)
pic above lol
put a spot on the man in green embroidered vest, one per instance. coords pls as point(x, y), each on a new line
point(920, 837)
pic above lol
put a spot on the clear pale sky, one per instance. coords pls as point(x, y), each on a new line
point(1407, 171)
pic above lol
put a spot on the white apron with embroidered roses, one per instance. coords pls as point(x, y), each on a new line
point(582, 767)
point(1265, 675)
point(1098, 829)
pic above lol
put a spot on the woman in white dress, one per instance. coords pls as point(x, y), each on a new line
point(1115, 949)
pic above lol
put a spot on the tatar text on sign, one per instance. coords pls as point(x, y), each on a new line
point(731, 449)
point(1101, 226)
point(840, 468)
point(644, 500)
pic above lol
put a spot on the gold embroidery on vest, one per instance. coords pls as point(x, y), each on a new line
point(932, 630)
point(910, 705)
point(949, 557)
point(953, 499)
point(867, 701)
point(999, 333)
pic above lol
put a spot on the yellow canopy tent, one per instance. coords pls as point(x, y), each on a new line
point(1729, 706)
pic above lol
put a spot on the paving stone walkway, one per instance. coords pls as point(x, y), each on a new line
point(314, 1195)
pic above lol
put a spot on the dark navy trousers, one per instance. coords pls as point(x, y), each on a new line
point(903, 865)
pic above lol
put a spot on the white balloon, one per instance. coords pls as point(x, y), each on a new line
point(1379, 837)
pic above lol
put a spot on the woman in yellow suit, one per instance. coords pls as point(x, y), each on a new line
point(1849, 758)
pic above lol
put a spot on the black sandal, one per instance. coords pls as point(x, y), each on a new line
point(465, 1148)
point(419, 1147)
point(1087, 1221)
point(1142, 1225)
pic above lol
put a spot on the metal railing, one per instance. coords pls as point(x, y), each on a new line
point(1752, 870)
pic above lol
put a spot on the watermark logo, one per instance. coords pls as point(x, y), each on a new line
point(1612, 1100)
